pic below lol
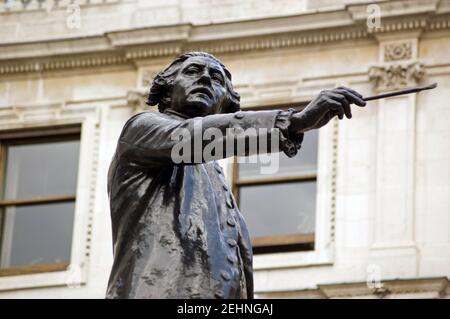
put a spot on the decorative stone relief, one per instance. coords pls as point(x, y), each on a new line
point(396, 76)
point(398, 51)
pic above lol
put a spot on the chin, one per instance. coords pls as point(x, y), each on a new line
point(199, 107)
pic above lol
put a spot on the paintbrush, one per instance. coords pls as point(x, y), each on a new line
point(400, 92)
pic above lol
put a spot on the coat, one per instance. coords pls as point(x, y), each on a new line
point(177, 230)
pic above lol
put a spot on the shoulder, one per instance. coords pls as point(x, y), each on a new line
point(146, 119)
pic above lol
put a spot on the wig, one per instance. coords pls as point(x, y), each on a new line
point(161, 90)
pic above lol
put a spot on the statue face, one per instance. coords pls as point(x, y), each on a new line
point(199, 88)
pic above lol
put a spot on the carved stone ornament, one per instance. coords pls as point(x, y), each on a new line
point(396, 76)
point(136, 100)
point(398, 51)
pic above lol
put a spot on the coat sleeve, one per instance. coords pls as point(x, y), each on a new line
point(156, 139)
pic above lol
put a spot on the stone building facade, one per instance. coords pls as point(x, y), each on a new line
point(77, 70)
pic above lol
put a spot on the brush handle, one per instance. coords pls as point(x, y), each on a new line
point(400, 92)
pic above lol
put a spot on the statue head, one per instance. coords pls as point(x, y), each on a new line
point(194, 84)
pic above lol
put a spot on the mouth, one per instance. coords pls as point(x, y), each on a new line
point(202, 90)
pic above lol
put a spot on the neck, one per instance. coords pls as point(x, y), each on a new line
point(171, 111)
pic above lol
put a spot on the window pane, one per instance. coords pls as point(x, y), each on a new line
point(42, 169)
point(304, 162)
point(37, 234)
point(279, 209)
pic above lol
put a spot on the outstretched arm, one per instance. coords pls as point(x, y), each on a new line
point(154, 139)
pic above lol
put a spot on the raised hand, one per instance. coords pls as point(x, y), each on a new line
point(324, 107)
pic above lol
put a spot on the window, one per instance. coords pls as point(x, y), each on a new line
point(280, 208)
point(38, 184)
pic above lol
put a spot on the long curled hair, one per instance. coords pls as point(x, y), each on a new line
point(161, 89)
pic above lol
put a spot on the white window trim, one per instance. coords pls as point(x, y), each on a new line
point(323, 253)
point(61, 114)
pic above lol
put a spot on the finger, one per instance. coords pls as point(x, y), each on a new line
point(351, 91)
point(336, 113)
point(353, 96)
point(344, 102)
point(336, 108)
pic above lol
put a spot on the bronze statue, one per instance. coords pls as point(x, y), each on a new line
point(177, 231)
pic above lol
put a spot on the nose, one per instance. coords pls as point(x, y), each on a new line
point(205, 78)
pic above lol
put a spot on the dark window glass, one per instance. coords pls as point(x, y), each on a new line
point(279, 208)
point(38, 202)
point(38, 234)
point(303, 163)
point(41, 169)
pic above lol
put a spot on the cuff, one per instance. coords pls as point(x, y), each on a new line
point(289, 143)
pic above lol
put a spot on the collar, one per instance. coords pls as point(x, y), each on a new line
point(177, 114)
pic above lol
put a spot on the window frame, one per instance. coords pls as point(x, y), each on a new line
point(326, 204)
point(277, 243)
point(31, 136)
point(91, 180)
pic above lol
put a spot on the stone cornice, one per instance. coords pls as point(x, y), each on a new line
point(398, 288)
point(436, 287)
point(35, 5)
point(127, 46)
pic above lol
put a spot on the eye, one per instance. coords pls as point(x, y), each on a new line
point(191, 70)
point(218, 78)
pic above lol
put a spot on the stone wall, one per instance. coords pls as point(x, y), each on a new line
point(383, 177)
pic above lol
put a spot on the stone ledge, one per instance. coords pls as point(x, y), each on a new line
point(438, 287)
point(129, 46)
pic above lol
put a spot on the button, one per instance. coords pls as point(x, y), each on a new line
point(231, 222)
point(218, 169)
point(238, 130)
point(231, 242)
point(232, 259)
point(239, 115)
point(219, 294)
point(230, 203)
point(225, 275)
point(225, 187)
